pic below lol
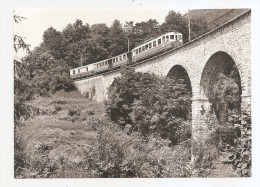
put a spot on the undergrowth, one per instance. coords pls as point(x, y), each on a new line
point(75, 139)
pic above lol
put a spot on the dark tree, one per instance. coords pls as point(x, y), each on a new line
point(52, 42)
point(174, 21)
point(117, 39)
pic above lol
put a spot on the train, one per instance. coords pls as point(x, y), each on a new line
point(146, 50)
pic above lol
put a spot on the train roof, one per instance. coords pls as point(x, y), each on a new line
point(97, 62)
point(80, 67)
point(145, 42)
point(172, 32)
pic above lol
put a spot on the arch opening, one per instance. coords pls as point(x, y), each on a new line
point(178, 78)
point(111, 89)
point(221, 86)
point(179, 75)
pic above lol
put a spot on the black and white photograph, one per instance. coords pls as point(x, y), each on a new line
point(134, 92)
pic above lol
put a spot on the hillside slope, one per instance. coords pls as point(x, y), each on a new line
point(214, 17)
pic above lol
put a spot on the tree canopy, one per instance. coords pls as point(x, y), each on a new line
point(151, 105)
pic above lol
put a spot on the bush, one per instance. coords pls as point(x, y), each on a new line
point(57, 108)
point(151, 105)
point(90, 112)
point(60, 101)
point(116, 154)
point(73, 111)
point(229, 134)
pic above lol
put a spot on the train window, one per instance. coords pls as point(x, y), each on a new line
point(146, 47)
point(113, 60)
point(106, 63)
point(150, 45)
point(116, 59)
point(167, 38)
point(136, 51)
point(78, 70)
point(140, 50)
point(73, 71)
point(154, 43)
point(172, 37)
point(102, 63)
point(159, 41)
point(124, 56)
point(120, 58)
point(86, 68)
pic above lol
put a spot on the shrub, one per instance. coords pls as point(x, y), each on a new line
point(228, 134)
point(58, 100)
point(151, 105)
point(73, 111)
point(57, 108)
point(117, 154)
point(90, 112)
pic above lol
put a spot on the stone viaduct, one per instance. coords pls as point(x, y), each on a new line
point(202, 58)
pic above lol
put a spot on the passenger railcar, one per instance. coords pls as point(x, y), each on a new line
point(156, 45)
point(147, 49)
point(82, 70)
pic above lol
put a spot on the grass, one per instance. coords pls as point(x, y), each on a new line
point(68, 138)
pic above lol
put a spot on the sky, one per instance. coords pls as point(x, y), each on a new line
point(37, 21)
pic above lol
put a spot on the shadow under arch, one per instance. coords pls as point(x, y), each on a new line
point(179, 79)
point(219, 69)
point(179, 74)
point(111, 88)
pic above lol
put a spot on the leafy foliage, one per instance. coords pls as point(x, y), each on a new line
point(174, 21)
point(94, 147)
point(152, 106)
point(117, 39)
point(19, 43)
point(120, 155)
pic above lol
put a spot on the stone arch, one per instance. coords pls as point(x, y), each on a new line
point(219, 67)
point(108, 81)
point(242, 67)
point(180, 73)
point(219, 62)
point(180, 62)
point(111, 84)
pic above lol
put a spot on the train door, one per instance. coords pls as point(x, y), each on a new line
point(163, 41)
point(110, 65)
point(129, 57)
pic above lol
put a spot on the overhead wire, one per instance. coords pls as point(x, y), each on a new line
point(208, 24)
